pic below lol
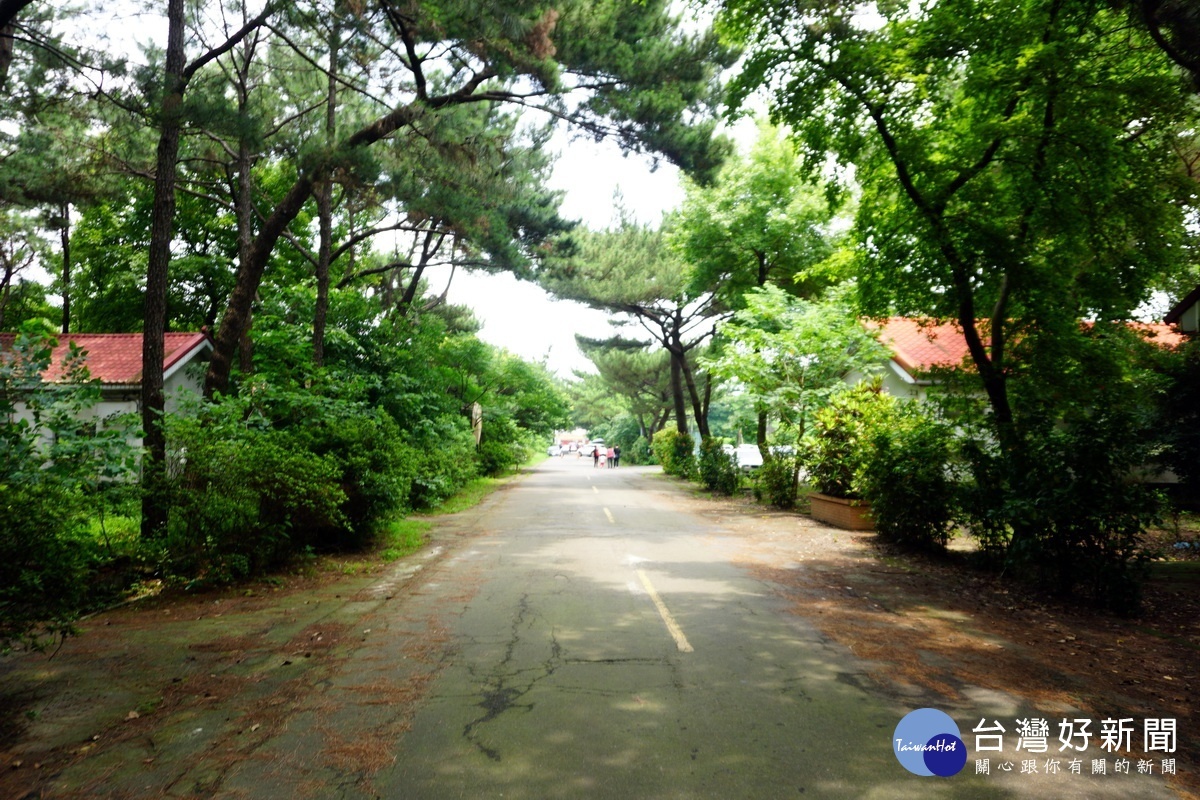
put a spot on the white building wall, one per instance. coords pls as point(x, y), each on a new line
point(896, 382)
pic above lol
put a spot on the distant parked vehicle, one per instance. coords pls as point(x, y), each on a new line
point(589, 449)
point(749, 457)
point(554, 450)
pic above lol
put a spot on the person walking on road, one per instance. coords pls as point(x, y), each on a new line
point(595, 456)
point(610, 458)
point(616, 455)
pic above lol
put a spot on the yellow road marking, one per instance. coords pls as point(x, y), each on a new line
point(608, 514)
point(596, 490)
point(673, 627)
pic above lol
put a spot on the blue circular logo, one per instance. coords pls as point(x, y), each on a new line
point(927, 742)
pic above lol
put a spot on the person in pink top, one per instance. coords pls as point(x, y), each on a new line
point(611, 456)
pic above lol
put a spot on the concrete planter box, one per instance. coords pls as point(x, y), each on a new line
point(853, 515)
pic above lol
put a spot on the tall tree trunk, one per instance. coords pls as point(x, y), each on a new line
point(760, 436)
point(689, 380)
point(678, 350)
point(64, 234)
point(154, 456)
point(677, 395)
point(325, 202)
point(324, 253)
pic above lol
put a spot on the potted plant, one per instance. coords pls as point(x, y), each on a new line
point(837, 450)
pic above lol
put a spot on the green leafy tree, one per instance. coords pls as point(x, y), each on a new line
point(638, 376)
point(1019, 174)
point(632, 270)
point(760, 222)
point(789, 354)
point(636, 75)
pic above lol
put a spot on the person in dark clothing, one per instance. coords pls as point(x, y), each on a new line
point(616, 455)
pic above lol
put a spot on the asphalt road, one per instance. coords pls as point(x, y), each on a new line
point(610, 652)
point(581, 634)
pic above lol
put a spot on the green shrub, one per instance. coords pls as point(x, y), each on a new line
point(838, 446)
point(244, 498)
point(907, 478)
point(717, 469)
point(775, 481)
point(1069, 518)
point(443, 464)
point(374, 471)
point(497, 458)
point(637, 453)
point(674, 452)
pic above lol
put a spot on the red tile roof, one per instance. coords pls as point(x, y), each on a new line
point(116, 358)
point(919, 345)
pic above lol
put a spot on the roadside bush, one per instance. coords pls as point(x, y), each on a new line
point(674, 452)
point(497, 458)
point(717, 469)
point(1070, 516)
point(503, 447)
point(375, 471)
point(637, 453)
point(244, 498)
point(775, 481)
point(839, 445)
point(907, 478)
point(445, 460)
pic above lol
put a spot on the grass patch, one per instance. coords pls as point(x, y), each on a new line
point(469, 496)
point(403, 537)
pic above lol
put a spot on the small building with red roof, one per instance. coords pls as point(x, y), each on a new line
point(921, 347)
point(115, 361)
point(918, 347)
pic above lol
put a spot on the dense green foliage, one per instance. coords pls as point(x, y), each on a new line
point(60, 469)
point(1019, 171)
point(788, 355)
point(673, 450)
point(716, 469)
point(909, 478)
point(777, 480)
point(841, 442)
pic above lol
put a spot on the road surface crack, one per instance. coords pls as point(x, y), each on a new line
point(500, 696)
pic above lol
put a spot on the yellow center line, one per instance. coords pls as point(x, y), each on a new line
point(608, 514)
point(596, 490)
point(673, 627)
